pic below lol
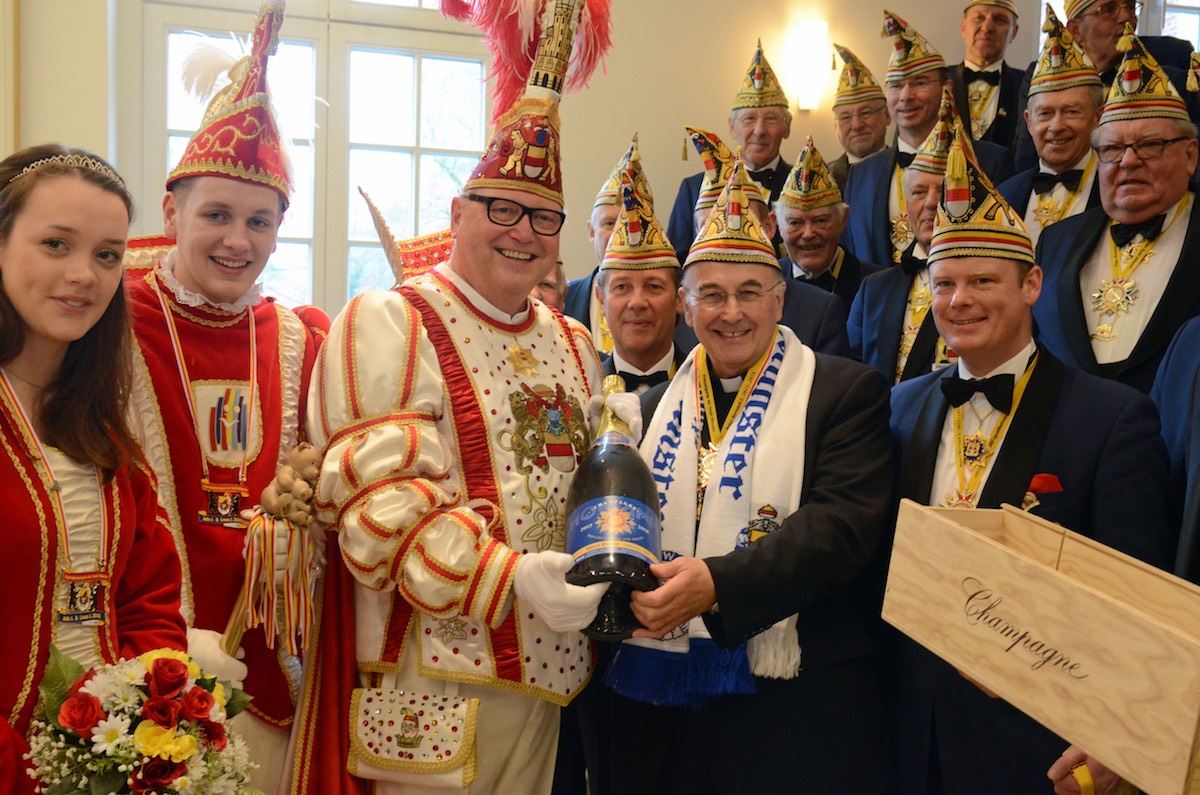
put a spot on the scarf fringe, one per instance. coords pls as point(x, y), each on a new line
point(680, 680)
point(775, 652)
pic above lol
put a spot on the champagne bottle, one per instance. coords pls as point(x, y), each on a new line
point(613, 523)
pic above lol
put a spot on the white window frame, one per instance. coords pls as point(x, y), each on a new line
point(334, 26)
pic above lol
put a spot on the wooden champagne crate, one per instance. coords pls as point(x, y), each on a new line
point(1097, 646)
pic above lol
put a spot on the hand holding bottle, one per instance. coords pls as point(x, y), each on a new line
point(541, 585)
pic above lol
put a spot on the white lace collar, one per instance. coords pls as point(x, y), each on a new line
point(190, 298)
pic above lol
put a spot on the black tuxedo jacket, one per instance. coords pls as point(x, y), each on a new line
point(1008, 112)
point(817, 317)
point(876, 323)
point(1017, 189)
point(1173, 55)
point(1100, 440)
point(867, 233)
point(846, 285)
point(1177, 394)
point(1060, 315)
point(681, 226)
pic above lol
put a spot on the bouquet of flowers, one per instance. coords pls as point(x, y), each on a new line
point(153, 724)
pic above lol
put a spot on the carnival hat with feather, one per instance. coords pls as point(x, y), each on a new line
point(238, 137)
point(973, 219)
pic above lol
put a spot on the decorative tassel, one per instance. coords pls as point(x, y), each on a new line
point(292, 615)
point(1193, 81)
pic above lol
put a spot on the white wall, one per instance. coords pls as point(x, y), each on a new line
point(673, 62)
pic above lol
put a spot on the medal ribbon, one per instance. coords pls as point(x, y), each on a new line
point(968, 485)
point(978, 101)
point(900, 241)
point(704, 385)
point(919, 300)
point(1060, 210)
point(1139, 253)
point(177, 347)
point(836, 268)
point(102, 573)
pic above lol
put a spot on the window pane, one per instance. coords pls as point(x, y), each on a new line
point(442, 178)
point(381, 98)
point(1183, 23)
point(288, 276)
point(368, 269)
point(452, 103)
point(176, 145)
point(298, 220)
point(387, 177)
point(292, 77)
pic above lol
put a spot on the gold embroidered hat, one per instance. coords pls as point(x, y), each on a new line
point(911, 53)
point(732, 233)
point(973, 219)
point(238, 136)
point(855, 82)
point(932, 154)
point(760, 88)
point(631, 164)
point(718, 168)
point(1141, 90)
point(810, 184)
point(1007, 5)
point(637, 242)
point(1063, 63)
point(1075, 8)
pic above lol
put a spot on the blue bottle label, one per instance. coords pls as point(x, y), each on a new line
point(614, 524)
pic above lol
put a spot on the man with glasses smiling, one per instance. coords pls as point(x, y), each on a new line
point(880, 228)
point(860, 116)
point(759, 122)
point(763, 563)
point(1121, 278)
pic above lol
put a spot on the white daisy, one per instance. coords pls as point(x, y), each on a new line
point(110, 734)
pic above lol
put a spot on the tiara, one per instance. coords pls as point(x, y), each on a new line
point(72, 161)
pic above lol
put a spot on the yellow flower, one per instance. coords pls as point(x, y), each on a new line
point(149, 657)
point(218, 693)
point(150, 739)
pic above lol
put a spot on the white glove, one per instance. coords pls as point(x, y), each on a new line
point(205, 647)
point(626, 405)
point(542, 586)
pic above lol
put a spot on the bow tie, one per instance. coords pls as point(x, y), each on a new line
point(1044, 183)
point(1148, 229)
point(633, 380)
point(970, 76)
point(998, 389)
point(905, 158)
point(910, 264)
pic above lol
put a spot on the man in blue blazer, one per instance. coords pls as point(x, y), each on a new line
point(1065, 98)
point(1176, 392)
point(1121, 279)
point(1065, 445)
point(759, 122)
point(890, 327)
point(917, 88)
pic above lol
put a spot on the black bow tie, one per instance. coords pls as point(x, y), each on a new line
point(905, 158)
point(1148, 229)
point(1044, 183)
point(970, 76)
point(998, 389)
point(633, 380)
point(910, 264)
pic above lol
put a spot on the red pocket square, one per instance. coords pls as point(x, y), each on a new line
point(1045, 483)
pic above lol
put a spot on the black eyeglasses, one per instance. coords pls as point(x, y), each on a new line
point(1150, 149)
point(506, 212)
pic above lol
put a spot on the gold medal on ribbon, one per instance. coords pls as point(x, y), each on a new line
point(1115, 296)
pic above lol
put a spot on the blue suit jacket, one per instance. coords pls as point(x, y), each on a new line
point(578, 303)
point(877, 320)
point(867, 187)
point(1059, 313)
point(1100, 439)
point(1017, 189)
point(1177, 394)
point(681, 226)
point(817, 317)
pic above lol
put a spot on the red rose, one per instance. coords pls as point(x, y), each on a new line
point(214, 735)
point(80, 713)
point(196, 704)
point(156, 774)
point(167, 677)
point(163, 711)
